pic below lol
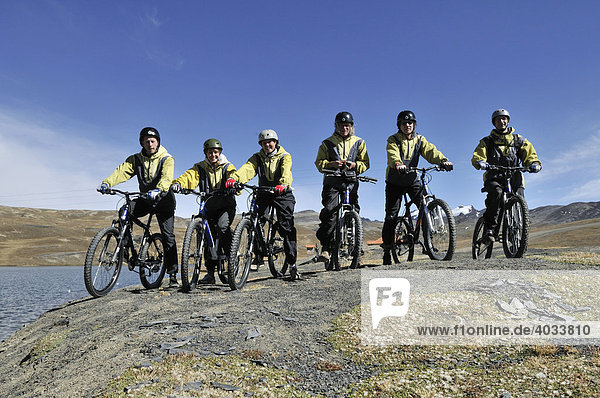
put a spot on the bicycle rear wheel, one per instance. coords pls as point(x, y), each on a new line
point(102, 267)
point(152, 262)
point(191, 255)
point(275, 252)
point(439, 231)
point(481, 249)
point(404, 244)
point(241, 255)
point(515, 227)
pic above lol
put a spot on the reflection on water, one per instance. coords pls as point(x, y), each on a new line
point(28, 292)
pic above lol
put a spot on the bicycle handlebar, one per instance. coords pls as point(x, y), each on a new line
point(507, 168)
point(436, 167)
point(239, 185)
point(113, 191)
point(339, 173)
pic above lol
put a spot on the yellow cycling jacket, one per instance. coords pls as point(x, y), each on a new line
point(508, 150)
point(401, 150)
point(205, 176)
point(352, 148)
point(272, 170)
point(153, 172)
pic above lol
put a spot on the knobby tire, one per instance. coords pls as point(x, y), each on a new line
point(100, 273)
point(152, 262)
point(241, 255)
point(192, 255)
point(439, 231)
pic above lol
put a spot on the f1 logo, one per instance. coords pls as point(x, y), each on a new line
point(388, 297)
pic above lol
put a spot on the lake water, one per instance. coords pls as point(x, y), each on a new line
point(28, 292)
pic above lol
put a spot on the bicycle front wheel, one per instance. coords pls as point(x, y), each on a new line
point(241, 254)
point(480, 248)
point(404, 244)
point(515, 227)
point(191, 255)
point(439, 231)
point(352, 239)
point(275, 252)
point(152, 261)
point(102, 262)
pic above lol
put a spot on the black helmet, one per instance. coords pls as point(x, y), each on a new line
point(212, 143)
point(405, 116)
point(149, 132)
point(344, 117)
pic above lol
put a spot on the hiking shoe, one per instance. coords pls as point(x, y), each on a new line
point(173, 281)
point(209, 279)
point(294, 274)
point(323, 257)
point(387, 258)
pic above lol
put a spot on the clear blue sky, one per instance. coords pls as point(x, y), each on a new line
point(79, 79)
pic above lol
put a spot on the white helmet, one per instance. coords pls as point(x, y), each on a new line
point(500, 112)
point(267, 135)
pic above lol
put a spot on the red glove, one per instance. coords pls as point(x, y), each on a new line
point(230, 183)
point(279, 189)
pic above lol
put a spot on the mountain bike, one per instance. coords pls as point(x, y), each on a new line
point(113, 244)
point(348, 232)
point(250, 243)
point(434, 217)
point(512, 228)
point(199, 240)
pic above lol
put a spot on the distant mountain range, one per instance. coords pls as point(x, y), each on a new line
point(545, 215)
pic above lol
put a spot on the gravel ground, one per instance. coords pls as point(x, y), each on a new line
point(288, 321)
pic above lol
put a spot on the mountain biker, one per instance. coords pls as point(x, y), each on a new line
point(153, 166)
point(210, 175)
point(404, 149)
point(274, 168)
point(503, 147)
point(343, 152)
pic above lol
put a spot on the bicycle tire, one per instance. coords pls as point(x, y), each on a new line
point(353, 238)
point(152, 262)
point(515, 227)
point(100, 272)
point(241, 255)
point(192, 255)
point(478, 247)
point(275, 252)
point(439, 231)
point(404, 245)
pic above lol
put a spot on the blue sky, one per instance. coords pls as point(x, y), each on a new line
point(79, 79)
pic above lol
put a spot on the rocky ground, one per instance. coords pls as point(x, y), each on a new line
point(77, 349)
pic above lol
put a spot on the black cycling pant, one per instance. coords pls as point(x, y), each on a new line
point(330, 201)
point(284, 209)
point(494, 191)
point(393, 203)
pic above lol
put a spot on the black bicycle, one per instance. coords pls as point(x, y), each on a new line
point(512, 228)
point(199, 239)
point(434, 217)
point(250, 243)
point(348, 233)
point(116, 243)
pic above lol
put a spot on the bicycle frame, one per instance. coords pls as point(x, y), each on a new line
point(253, 215)
point(507, 193)
point(426, 197)
point(125, 226)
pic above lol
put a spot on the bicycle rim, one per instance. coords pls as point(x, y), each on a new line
point(191, 255)
point(241, 255)
point(102, 267)
point(515, 228)
point(439, 231)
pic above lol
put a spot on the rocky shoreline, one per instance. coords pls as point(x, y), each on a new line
point(83, 345)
